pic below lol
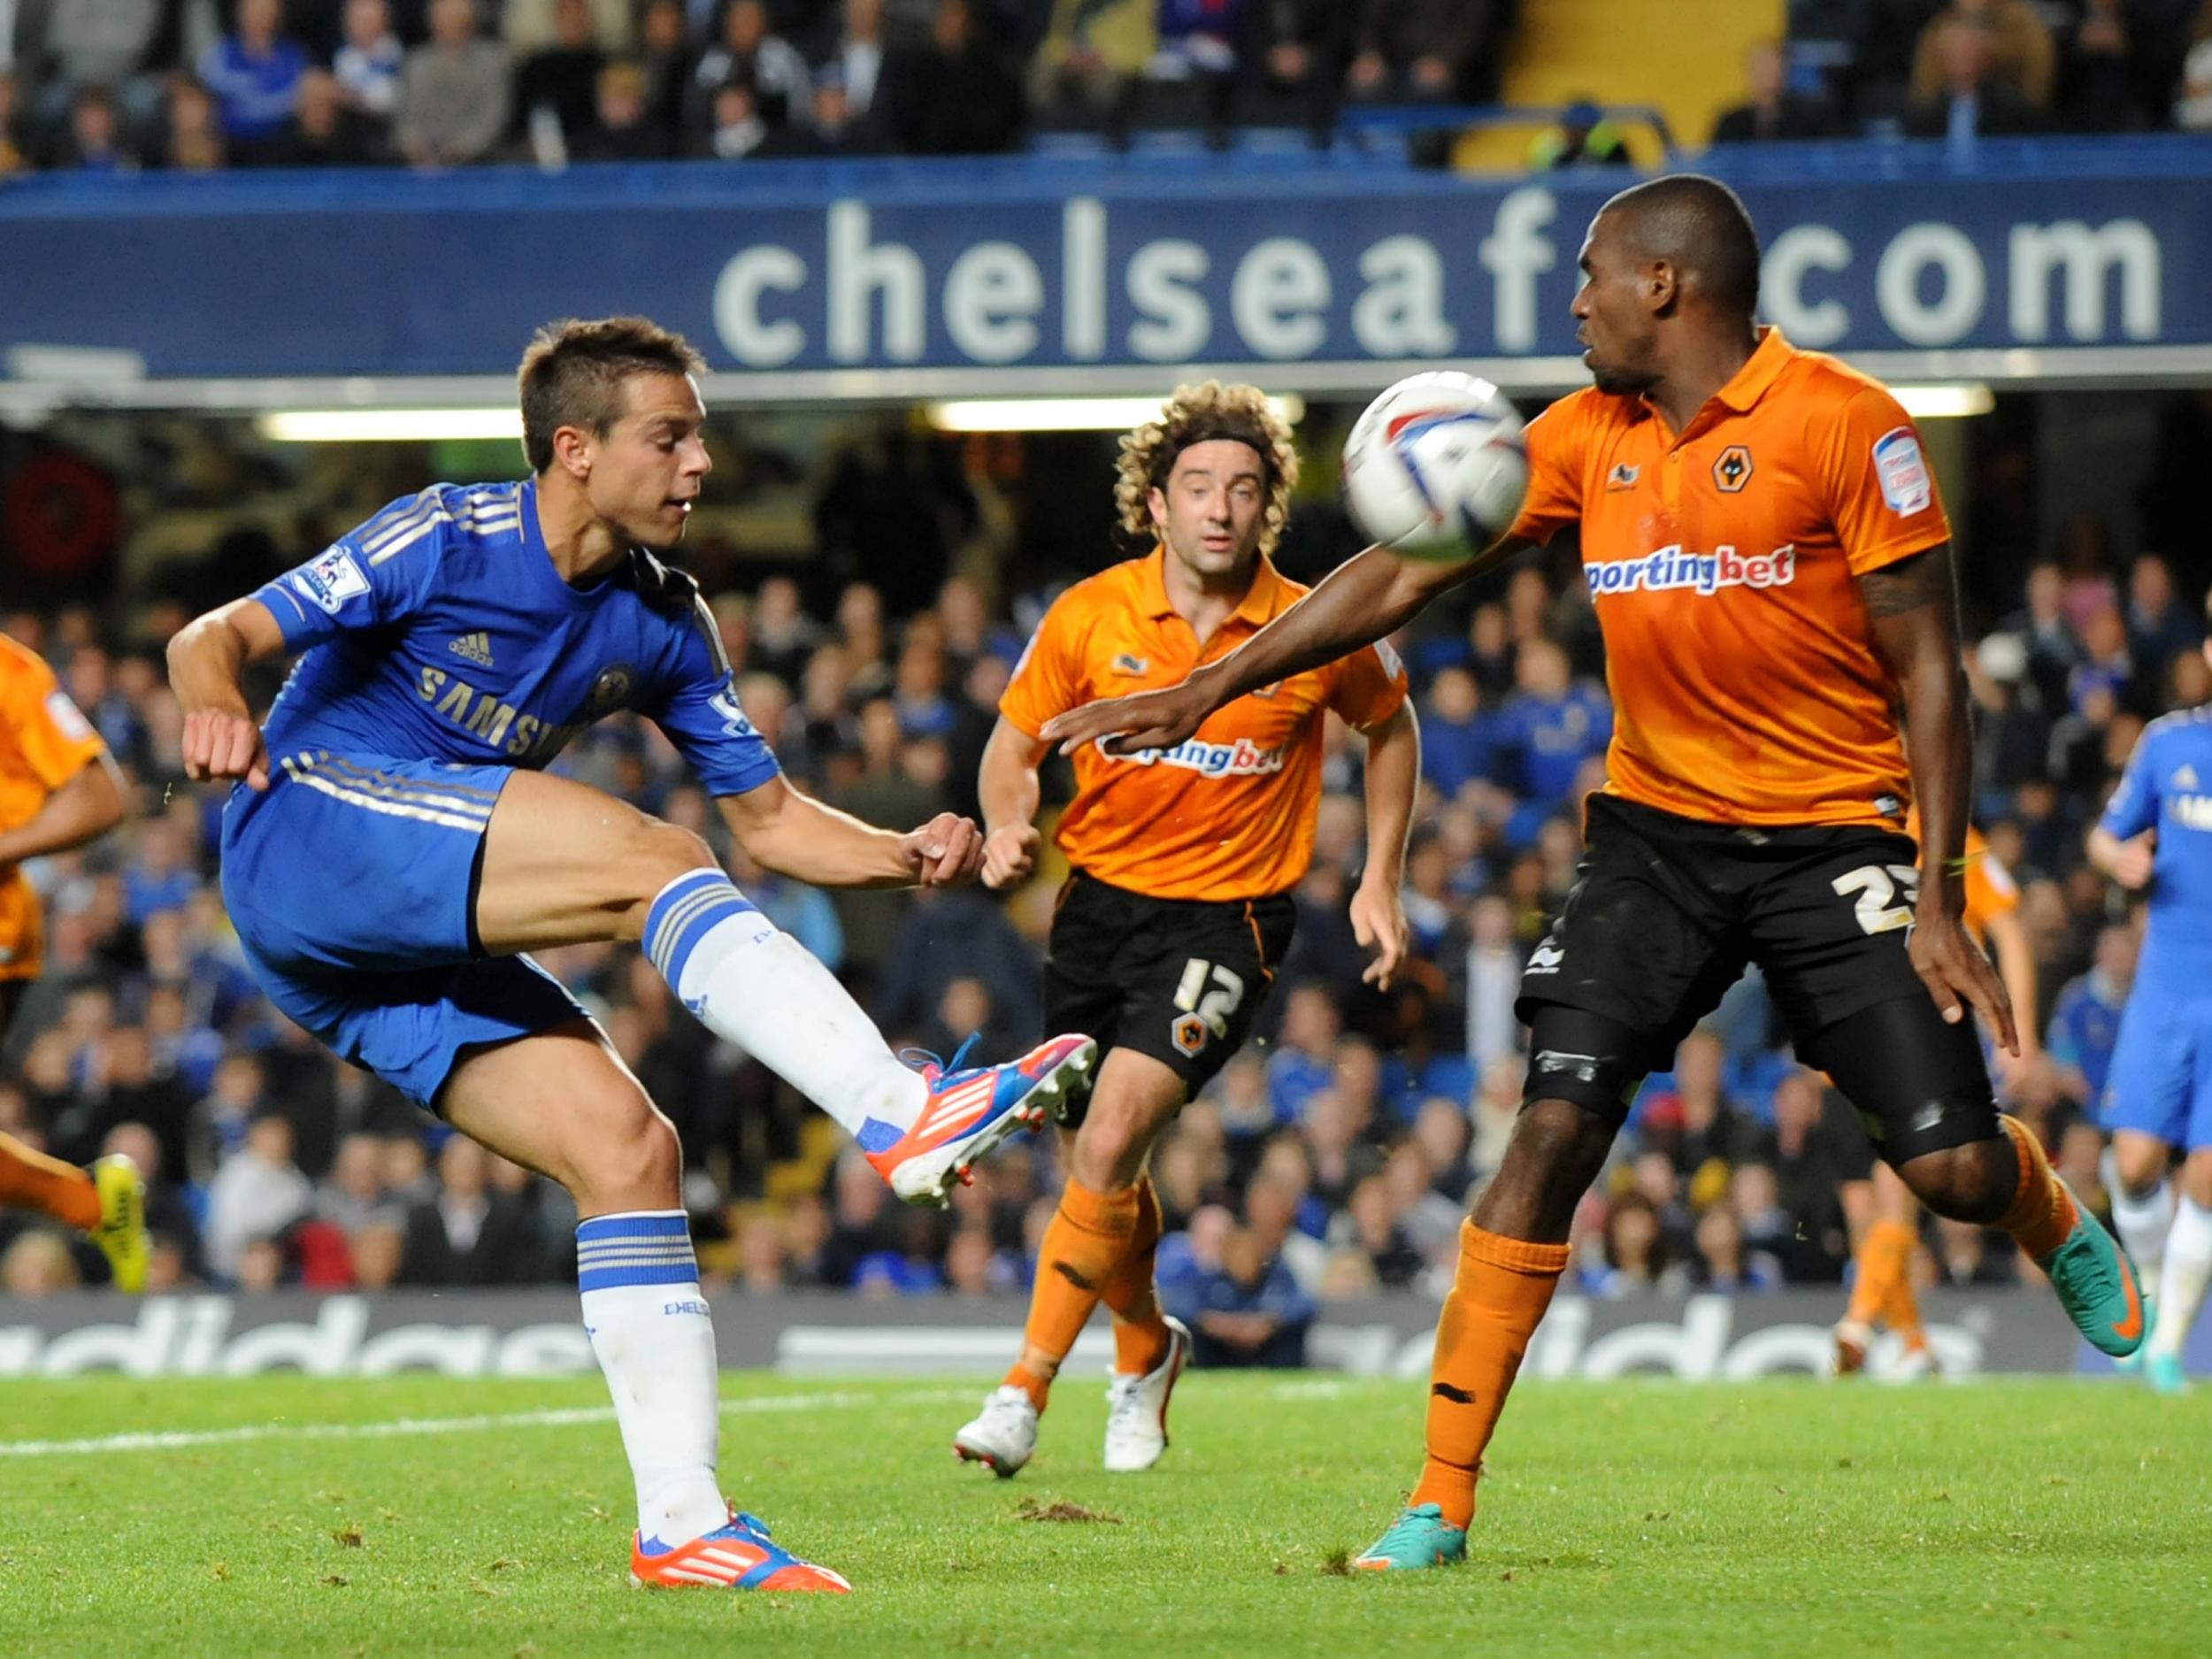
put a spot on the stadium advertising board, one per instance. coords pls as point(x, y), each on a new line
point(529, 1333)
point(999, 269)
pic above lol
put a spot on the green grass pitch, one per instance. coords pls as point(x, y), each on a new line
point(1640, 1518)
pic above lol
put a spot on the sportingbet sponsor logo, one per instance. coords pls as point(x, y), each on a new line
point(1243, 759)
point(1670, 569)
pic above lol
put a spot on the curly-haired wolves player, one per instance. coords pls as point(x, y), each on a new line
point(1772, 573)
point(387, 869)
point(1167, 933)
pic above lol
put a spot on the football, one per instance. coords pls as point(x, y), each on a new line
point(1434, 467)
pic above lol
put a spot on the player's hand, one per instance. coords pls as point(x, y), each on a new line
point(2131, 865)
point(220, 744)
point(1379, 922)
point(1151, 719)
point(1956, 973)
point(1009, 853)
point(945, 852)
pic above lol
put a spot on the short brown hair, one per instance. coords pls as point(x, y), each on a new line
point(572, 375)
point(1199, 414)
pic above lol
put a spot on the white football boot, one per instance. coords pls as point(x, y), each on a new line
point(1002, 1435)
point(1136, 1407)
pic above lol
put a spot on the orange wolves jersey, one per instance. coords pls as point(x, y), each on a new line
point(1230, 813)
point(1722, 561)
point(44, 742)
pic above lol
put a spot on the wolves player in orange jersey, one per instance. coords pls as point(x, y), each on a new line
point(58, 789)
point(1772, 572)
point(1881, 1290)
point(1169, 930)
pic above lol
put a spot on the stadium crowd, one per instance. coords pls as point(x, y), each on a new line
point(1335, 1156)
point(204, 85)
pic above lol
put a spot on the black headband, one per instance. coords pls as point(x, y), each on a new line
point(1238, 432)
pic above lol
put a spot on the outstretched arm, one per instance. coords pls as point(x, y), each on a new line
point(795, 835)
point(1008, 788)
point(1363, 600)
point(1913, 608)
point(207, 662)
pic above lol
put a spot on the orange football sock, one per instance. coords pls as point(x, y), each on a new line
point(31, 1181)
point(2042, 1212)
point(1086, 1242)
point(1883, 1268)
point(1500, 1292)
point(1900, 1311)
point(1139, 1333)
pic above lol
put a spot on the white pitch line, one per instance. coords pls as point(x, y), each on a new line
point(174, 1440)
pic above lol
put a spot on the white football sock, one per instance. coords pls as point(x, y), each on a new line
point(756, 986)
point(2142, 1221)
point(2187, 1272)
point(648, 1324)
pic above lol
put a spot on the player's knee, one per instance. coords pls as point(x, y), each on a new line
point(1565, 1140)
point(1974, 1182)
point(659, 852)
point(1109, 1148)
point(2139, 1163)
point(633, 1160)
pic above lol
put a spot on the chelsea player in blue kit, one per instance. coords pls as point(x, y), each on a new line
point(391, 848)
point(2156, 835)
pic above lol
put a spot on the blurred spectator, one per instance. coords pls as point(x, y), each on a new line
point(2085, 1019)
point(559, 82)
point(1416, 49)
point(1771, 110)
point(111, 44)
point(1816, 1148)
point(1721, 1263)
point(2193, 106)
point(750, 55)
point(623, 128)
point(1246, 1312)
point(854, 57)
point(453, 92)
point(326, 132)
point(352, 1196)
point(1091, 57)
point(468, 1234)
point(2160, 628)
point(256, 1193)
point(1553, 723)
point(2016, 54)
point(253, 75)
point(953, 97)
point(38, 1263)
point(2113, 77)
point(370, 61)
point(531, 26)
point(1634, 1249)
point(13, 157)
point(664, 54)
point(1964, 96)
point(1459, 739)
point(94, 142)
point(1583, 138)
point(194, 142)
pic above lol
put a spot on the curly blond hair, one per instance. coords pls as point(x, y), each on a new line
point(1198, 414)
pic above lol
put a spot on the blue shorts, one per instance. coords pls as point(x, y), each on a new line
point(352, 882)
point(2161, 1080)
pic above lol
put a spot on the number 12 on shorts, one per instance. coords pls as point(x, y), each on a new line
point(1213, 1002)
point(1876, 886)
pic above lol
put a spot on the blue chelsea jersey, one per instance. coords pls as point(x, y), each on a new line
point(2168, 786)
point(441, 631)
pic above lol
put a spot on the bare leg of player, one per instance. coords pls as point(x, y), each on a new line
point(1882, 1291)
point(1099, 1247)
point(565, 864)
point(561, 1102)
point(2188, 1271)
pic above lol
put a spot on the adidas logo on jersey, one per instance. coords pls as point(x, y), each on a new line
point(476, 646)
point(2185, 778)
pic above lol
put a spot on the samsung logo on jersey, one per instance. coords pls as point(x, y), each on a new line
point(2193, 812)
point(1243, 759)
point(1670, 568)
point(499, 724)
